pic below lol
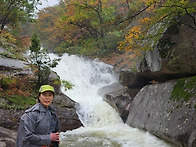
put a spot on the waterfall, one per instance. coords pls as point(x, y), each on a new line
point(102, 124)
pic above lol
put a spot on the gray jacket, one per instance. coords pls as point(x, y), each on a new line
point(35, 126)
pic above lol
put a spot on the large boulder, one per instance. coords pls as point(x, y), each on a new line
point(66, 111)
point(7, 137)
point(154, 110)
point(121, 101)
point(116, 95)
point(13, 67)
point(110, 88)
point(132, 80)
point(175, 52)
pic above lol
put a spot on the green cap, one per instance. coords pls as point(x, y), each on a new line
point(44, 88)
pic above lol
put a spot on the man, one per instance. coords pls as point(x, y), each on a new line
point(39, 126)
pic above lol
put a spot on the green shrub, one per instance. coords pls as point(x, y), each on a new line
point(17, 102)
point(67, 85)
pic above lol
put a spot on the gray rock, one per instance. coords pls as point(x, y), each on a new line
point(152, 61)
point(133, 80)
point(7, 137)
point(110, 88)
point(12, 63)
point(117, 96)
point(153, 111)
point(66, 112)
point(175, 52)
point(121, 101)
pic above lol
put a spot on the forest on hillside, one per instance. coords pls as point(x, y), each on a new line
point(91, 27)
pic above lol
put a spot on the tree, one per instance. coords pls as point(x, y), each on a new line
point(47, 27)
point(14, 11)
point(158, 16)
point(93, 19)
point(80, 27)
point(40, 61)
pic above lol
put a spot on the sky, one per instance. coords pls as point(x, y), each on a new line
point(46, 3)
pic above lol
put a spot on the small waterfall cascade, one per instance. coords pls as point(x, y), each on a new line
point(102, 125)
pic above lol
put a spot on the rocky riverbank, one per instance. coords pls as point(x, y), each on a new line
point(66, 112)
point(10, 119)
point(160, 96)
point(16, 88)
point(166, 110)
point(157, 92)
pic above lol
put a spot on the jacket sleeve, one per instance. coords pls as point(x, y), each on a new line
point(30, 124)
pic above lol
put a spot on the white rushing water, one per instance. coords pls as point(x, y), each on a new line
point(102, 125)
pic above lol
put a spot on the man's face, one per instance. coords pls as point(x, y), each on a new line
point(46, 98)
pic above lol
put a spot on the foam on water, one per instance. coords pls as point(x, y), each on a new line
point(102, 125)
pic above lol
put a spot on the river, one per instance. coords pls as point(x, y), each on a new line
point(102, 125)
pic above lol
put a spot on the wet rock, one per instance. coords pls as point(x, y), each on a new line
point(66, 111)
point(132, 80)
point(152, 110)
point(152, 61)
point(55, 81)
point(14, 67)
point(121, 101)
point(7, 137)
point(110, 88)
point(116, 95)
point(10, 118)
point(137, 80)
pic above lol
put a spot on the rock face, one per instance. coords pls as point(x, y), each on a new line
point(11, 63)
point(7, 137)
point(132, 80)
point(10, 118)
point(153, 111)
point(175, 51)
point(116, 95)
point(66, 112)
point(152, 61)
point(121, 101)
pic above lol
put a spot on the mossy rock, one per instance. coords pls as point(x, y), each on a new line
point(184, 89)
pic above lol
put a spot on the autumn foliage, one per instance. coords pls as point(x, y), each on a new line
point(84, 25)
point(159, 16)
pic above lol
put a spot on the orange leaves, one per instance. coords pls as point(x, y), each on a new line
point(147, 21)
point(157, 17)
point(133, 33)
point(25, 40)
point(131, 39)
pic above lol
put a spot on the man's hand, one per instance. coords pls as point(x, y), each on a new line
point(54, 136)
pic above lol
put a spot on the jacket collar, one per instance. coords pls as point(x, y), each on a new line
point(39, 107)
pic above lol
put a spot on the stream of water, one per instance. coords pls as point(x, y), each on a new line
point(102, 125)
